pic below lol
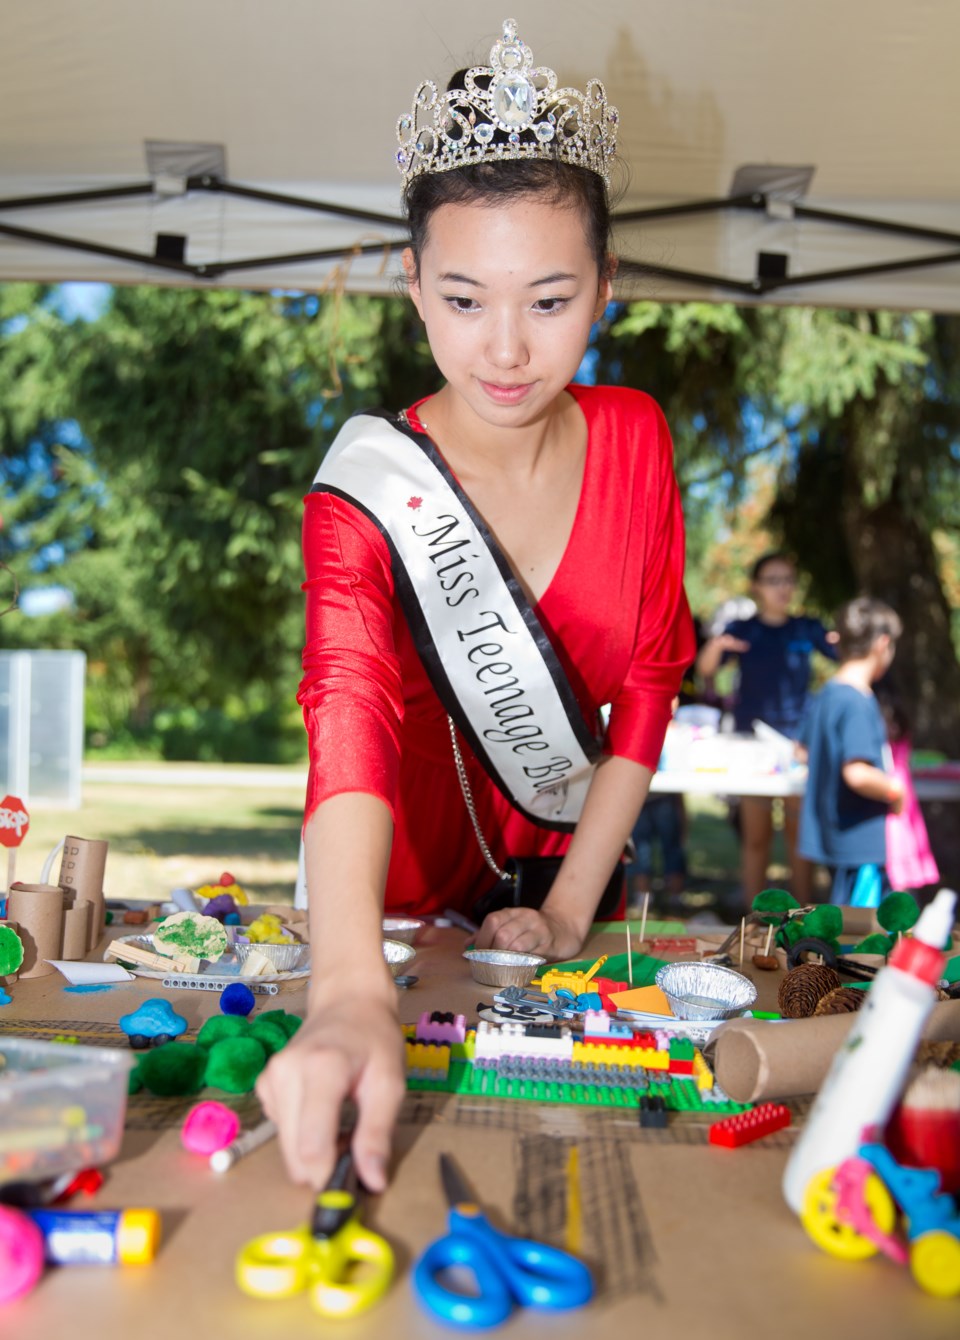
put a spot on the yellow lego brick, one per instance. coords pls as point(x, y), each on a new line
point(702, 1072)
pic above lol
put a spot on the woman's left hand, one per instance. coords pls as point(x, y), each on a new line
point(529, 930)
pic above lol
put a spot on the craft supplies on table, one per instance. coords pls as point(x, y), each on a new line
point(61, 1107)
point(321, 1257)
point(509, 1272)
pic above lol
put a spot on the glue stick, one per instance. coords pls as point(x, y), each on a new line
point(870, 1069)
point(98, 1237)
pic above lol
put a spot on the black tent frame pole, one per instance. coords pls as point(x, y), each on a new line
point(754, 200)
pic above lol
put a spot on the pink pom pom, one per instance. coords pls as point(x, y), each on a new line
point(21, 1254)
point(208, 1127)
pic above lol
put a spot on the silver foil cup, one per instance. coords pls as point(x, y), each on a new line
point(705, 990)
point(503, 967)
point(283, 957)
point(397, 955)
point(404, 929)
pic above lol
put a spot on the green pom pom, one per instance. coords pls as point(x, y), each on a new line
point(11, 950)
point(235, 1063)
point(134, 1082)
point(175, 1068)
point(774, 900)
point(220, 1026)
point(288, 1022)
point(790, 933)
point(874, 944)
point(270, 1035)
point(824, 922)
point(898, 912)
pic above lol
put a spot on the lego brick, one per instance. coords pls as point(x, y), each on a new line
point(746, 1127)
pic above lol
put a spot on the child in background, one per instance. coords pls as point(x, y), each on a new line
point(849, 794)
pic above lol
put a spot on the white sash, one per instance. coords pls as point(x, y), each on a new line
point(487, 655)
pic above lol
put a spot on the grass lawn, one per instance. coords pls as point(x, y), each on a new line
point(162, 836)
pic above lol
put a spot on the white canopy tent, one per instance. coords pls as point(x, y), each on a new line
point(299, 98)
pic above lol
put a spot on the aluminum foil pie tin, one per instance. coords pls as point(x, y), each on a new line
point(705, 990)
point(284, 957)
point(405, 929)
point(503, 967)
point(397, 955)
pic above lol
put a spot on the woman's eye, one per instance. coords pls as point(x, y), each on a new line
point(549, 306)
point(462, 304)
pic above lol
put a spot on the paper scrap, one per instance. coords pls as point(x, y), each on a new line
point(648, 999)
point(81, 973)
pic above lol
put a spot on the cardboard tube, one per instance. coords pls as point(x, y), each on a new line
point(81, 868)
point(754, 1059)
point(38, 911)
point(76, 930)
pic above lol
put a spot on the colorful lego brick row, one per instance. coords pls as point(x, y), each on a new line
point(746, 1127)
point(428, 1058)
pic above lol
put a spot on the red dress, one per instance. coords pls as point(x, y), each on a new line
point(615, 613)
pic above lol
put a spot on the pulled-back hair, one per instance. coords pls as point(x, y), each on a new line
point(487, 185)
point(860, 622)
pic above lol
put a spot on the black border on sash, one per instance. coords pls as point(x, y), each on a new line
point(427, 649)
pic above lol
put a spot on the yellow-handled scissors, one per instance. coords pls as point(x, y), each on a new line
point(342, 1266)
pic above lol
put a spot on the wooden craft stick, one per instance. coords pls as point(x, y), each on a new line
point(643, 916)
point(766, 947)
point(743, 931)
point(159, 962)
point(626, 925)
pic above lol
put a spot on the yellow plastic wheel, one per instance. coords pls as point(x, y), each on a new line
point(935, 1263)
point(818, 1216)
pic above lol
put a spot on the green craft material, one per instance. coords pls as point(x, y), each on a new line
point(773, 901)
point(288, 1022)
point(11, 951)
point(898, 912)
point(173, 1069)
point(270, 1036)
point(790, 933)
point(825, 922)
point(951, 972)
point(220, 1026)
point(190, 933)
point(874, 944)
point(234, 1064)
point(651, 928)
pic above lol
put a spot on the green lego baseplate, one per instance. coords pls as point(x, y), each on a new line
point(679, 1094)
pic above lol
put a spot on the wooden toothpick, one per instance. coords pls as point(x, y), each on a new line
point(629, 953)
point(643, 916)
point(766, 947)
point(743, 931)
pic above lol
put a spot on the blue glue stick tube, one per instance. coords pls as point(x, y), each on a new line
point(98, 1237)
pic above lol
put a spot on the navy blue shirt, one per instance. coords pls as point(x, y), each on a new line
point(837, 826)
point(775, 672)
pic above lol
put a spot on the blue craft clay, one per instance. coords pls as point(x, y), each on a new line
point(236, 999)
point(154, 1018)
point(86, 987)
point(4, 998)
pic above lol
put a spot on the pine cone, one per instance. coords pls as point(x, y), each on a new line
point(803, 987)
point(841, 1000)
point(943, 1054)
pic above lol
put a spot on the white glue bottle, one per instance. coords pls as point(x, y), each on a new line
point(869, 1070)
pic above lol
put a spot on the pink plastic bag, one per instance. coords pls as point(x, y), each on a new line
point(910, 862)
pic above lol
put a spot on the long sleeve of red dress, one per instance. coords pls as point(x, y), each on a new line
point(615, 613)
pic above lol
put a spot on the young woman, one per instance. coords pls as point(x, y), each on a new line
point(484, 572)
point(773, 649)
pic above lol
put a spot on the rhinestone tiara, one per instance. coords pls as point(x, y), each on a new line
point(507, 110)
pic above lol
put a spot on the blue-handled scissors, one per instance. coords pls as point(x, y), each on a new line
point(508, 1271)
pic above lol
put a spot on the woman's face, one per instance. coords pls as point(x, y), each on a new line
point(508, 295)
point(774, 587)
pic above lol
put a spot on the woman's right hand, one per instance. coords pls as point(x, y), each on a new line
point(349, 1046)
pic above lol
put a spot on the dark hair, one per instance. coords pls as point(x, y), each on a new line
point(774, 556)
point(491, 183)
point(860, 622)
point(488, 184)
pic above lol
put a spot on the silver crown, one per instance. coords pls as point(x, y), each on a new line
point(536, 119)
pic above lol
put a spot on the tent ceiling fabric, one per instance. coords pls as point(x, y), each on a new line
point(303, 95)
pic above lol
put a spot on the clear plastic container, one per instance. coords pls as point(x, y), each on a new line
point(62, 1106)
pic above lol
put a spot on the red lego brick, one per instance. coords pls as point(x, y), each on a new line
point(746, 1127)
point(680, 1067)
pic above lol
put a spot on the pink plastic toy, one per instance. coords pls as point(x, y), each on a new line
point(208, 1127)
point(21, 1254)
